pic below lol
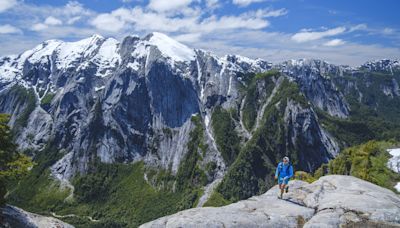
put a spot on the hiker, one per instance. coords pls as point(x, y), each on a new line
point(284, 171)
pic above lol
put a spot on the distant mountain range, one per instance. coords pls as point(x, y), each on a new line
point(188, 117)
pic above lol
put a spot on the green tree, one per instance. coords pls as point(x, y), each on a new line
point(13, 165)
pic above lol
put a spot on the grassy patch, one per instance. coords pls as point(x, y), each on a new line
point(216, 200)
point(28, 100)
point(189, 173)
point(225, 135)
point(304, 176)
point(257, 86)
point(373, 115)
point(366, 161)
point(115, 194)
point(46, 100)
point(252, 171)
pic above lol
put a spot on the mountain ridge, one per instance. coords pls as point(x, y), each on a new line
point(182, 129)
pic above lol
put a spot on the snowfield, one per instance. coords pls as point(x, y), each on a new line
point(394, 163)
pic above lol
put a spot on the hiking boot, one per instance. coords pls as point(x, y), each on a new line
point(287, 189)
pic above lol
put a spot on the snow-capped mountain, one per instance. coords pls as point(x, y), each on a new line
point(134, 100)
point(142, 85)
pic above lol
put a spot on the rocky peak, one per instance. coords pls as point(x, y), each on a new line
point(170, 47)
point(382, 65)
point(310, 68)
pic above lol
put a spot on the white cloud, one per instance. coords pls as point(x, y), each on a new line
point(73, 20)
point(40, 18)
point(243, 3)
point(334, 42)
point(188, 37)
point(388, 31)
point(9, 29)
point(168, 5)
point(358, 27)
point(232, 22)
point(139, 19)
point(265, 13)
point(311, 36)
point(7, 4)
point(73, 8)
point(277, 47)
point(108, 22)
point(52, 21)
point(212, 4)
point(49, 21)
point(39, 27)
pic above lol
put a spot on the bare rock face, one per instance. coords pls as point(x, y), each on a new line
point(18, 218)
point(332, 201)
point(128, 101)
point(116, 101)
point(313, 77)
point(305, 132)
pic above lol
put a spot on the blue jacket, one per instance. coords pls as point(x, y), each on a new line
point(283, 170)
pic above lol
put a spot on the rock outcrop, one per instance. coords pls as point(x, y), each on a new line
point(331, 201)
point(15, 217)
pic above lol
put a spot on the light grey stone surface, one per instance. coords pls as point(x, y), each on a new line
point(331, 201)
point(18, 218)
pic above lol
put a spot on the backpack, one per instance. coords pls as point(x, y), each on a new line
point(282, 165)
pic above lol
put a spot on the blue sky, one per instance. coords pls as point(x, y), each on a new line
point(340, 32)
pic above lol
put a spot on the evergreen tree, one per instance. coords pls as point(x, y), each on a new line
point(13, 165)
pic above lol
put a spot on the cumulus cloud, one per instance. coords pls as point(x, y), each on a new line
point(9, 29)
point(358, 27)
point(52, 21)
point(243, 3)
point(108, 22)
point(39, 27)
point(169, 5)
point(188, 37)
point(265, 13)
point(388, 31)
point(334, 42)
point(212, 4)
point(43, 19)
point(49, 21)
point(72, 20)
point(306, 36)
point(142, 19)
point(7, 4)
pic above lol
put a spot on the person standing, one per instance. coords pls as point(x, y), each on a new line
point(284, 171)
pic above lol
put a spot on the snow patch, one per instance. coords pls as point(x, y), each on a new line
point(99, 88)
point(107, 58)
point(394, 163)
point(397, 187)
point(199, 74)
point(71, 52)
point(8, 70)
point(134, 66)
point(44, 51)
point(171, 48)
